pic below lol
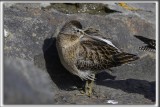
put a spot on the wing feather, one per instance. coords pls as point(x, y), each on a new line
point(96, 54)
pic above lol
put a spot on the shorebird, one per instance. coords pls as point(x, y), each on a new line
point(85, 55)
point(150, 43)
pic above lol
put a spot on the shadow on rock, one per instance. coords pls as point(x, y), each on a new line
point(132, 86)
point(60, 76)
point(103, 76)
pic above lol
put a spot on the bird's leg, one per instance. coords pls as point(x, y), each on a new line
point(86, 87)
point(90, 86)
point(85, 91)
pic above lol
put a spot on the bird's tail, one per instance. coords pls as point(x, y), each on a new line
point(123, 58)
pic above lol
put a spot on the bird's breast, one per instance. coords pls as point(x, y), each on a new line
point(70, 53)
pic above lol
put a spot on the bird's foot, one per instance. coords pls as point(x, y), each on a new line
point(84, 93)
point(88, 89)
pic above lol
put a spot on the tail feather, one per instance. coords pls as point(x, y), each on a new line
point(123, 58)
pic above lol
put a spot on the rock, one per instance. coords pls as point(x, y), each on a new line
point(26, 84)
point(146, 10)
point(32, 31)
point(72, 8)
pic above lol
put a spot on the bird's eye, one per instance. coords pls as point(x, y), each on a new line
point(77, 30)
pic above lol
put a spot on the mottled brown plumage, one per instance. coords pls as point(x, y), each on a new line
point(85, 55)
point(97, 55)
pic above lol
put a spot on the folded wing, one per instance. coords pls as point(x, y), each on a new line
point(99, 54)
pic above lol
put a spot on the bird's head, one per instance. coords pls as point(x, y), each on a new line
point(70, 33)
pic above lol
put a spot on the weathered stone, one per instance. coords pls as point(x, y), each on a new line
point(26, 84)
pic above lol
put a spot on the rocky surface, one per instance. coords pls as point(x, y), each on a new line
point(33, 73)
point(22, 83)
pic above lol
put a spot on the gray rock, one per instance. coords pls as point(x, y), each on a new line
point(146, 10)
point(26, 84)
point(32, 32)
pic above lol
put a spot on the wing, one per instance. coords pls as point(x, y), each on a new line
point(98, 54)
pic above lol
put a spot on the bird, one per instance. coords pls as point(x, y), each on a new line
point(150, 43)
point(85, 55)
